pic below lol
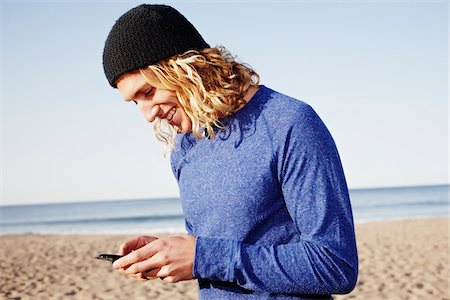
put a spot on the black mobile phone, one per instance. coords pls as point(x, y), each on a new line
point(109, 257)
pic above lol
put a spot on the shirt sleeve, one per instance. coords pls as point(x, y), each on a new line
point(324, 260)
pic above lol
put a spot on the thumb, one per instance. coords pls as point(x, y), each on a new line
point(135, 244)
point(128, 246)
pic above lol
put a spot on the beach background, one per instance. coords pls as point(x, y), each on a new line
point(80, 170)
point(47, 250)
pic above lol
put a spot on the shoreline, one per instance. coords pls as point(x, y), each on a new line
point(180, 231)
point(398, 259)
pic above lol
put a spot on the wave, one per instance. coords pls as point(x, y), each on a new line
point(402, 204)
point(136, 219)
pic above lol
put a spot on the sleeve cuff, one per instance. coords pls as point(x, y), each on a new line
point(215, 258)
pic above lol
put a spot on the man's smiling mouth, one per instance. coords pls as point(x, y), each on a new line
point(171, 113)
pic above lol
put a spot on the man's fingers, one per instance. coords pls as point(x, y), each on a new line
point(151, 274)
point(134, 257)
point(170, 259)
point(145, 265)
point(157, 272)
point(128, 246)
point(141, 277)
point(138, 276)
point(169, 279)
point(135, 244)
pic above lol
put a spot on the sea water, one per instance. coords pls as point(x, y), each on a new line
point(165, 215)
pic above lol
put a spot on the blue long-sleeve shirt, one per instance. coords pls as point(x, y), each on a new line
point(268, 202)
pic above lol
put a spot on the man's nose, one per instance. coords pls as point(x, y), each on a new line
point(151, 112)
point(156, 111)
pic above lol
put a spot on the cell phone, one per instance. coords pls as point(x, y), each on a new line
point(109, 257)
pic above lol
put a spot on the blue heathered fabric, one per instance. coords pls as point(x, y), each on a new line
point(268, 202)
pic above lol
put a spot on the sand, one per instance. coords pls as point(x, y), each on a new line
point(405, 259)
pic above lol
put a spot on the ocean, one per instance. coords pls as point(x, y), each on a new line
point(165, 215)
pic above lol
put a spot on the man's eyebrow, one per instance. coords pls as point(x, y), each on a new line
point(140, 90)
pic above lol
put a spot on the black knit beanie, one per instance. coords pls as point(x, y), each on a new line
point(146, 35)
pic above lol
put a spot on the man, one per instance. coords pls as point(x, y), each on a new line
point(262, 187)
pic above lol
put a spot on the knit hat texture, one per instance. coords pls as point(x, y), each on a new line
point(146, 35)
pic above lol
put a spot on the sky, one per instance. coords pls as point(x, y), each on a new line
point(376, 72)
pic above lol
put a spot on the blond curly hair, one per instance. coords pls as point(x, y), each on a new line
point(209, 84)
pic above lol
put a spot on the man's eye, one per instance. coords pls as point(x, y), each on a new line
point(135, 102)
point(149, 92)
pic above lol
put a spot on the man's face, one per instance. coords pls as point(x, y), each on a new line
point(153, 102)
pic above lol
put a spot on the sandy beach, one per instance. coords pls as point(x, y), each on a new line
point(405, 259)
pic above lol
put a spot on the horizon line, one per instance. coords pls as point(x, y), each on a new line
point(177, 197)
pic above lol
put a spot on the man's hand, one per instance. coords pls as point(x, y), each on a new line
point(170, 258)
point(133, 245)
